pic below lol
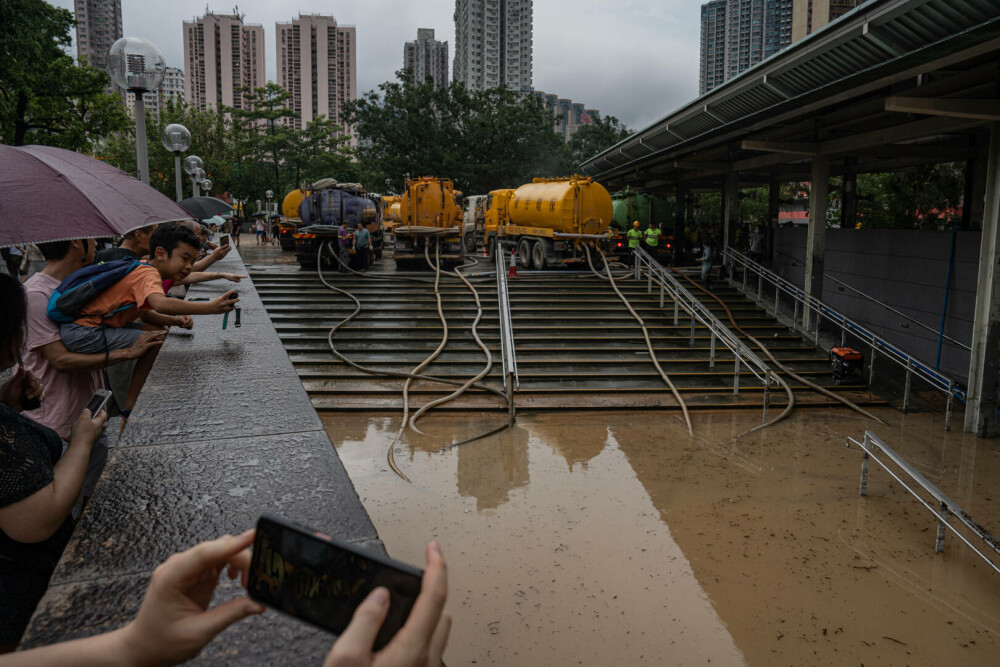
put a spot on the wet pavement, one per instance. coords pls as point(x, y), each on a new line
point(615, 538)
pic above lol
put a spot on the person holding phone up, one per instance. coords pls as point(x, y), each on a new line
point(174, 622)
point(39, 483)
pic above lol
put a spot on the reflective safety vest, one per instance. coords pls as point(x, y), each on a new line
point(652, 236)
point(634, 236)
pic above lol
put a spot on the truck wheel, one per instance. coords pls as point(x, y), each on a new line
point(470, 243)
point(491, 249)
point(524, 253)
point(538, 256)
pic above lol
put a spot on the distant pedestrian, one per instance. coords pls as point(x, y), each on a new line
point(274, 231)
point(652, 239)
point(634, 239)
point(261, 238)
point(234, 231)
point(363, 242)
point(757, 244)
point(706, 264)
point(344, 246)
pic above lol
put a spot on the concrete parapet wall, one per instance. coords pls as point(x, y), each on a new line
point(222, 432)
point(907, 270)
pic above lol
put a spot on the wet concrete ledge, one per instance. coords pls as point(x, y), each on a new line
point(222, 432)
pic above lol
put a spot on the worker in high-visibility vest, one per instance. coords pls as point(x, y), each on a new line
point(634, 238)
point(652, 239)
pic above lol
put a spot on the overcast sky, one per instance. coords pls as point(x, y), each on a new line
point(634, 59)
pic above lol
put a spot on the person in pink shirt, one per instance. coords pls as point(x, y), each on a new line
point(69, 378)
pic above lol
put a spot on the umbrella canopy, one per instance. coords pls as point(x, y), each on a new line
point(205, 207)
point(52, 194)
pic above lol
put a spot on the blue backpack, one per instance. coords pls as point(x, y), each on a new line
point(83, 285)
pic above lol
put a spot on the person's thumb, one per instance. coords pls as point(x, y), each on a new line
point(359, 636)
point(217, 619)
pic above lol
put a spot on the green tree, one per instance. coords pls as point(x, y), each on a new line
point(44, 97)
point(482, 140)
point(320, 151)
point(924, 197)
point(264, 133)
point(601, 134)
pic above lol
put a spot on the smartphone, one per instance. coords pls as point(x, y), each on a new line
point(98, 401)
point(321, 580)
point(224, 239)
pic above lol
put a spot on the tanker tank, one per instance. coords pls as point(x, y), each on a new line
point(565, 206)
point(322, 211)
point(428, 209)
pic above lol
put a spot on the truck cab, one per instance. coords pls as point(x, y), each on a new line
point(494, 218)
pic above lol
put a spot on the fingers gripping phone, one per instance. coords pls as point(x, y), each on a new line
point(321, 580)
point(224, 239)
point(98, 401)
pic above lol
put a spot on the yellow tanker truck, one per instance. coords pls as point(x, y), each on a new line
point(428, 209)
point(290, 223)
point(549, 221)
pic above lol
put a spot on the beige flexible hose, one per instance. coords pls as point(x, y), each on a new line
point(645, 333)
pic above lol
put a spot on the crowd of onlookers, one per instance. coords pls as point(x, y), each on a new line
point(53, 450)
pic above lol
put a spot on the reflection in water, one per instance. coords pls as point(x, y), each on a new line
point(576, 442)
point(490, 469)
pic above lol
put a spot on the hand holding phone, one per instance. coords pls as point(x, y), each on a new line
point(323, 581)
point(226, 302)
point(98, 401)
point(224, 240)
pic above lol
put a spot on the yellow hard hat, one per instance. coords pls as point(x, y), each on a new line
point(635, 224)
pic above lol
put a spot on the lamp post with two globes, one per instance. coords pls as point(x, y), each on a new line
point(193, 167)
point(137, 66)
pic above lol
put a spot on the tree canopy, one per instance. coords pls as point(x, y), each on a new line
point(601, 134)
point(44, 97)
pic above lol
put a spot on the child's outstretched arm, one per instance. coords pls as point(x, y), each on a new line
point(201, 276)
point(168, 306)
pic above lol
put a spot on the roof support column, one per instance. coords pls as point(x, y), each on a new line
point(980, 410)
point(773, 214)
point(849, 201)
point(975, 190)
point(730, 208)
point(819, 191)
point(680, 199)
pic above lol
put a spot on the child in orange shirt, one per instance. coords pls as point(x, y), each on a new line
point(109, 321)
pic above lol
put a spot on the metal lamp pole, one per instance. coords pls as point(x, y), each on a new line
point(177, 139)
point(137, 66)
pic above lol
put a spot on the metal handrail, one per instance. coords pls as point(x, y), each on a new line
point(684, 300)
point(946, 506)
point(511, 381)
point(809, 305)
point(920, 324)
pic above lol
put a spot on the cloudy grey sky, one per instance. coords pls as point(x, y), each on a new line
point(634, 59)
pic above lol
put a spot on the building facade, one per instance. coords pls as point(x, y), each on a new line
point(172, 88)
point(317, 63)
point(493, 44)
point(738, 34)
point(811, 15)
point(427, 57)
point(567, 116)
point(98, 26)
point(221, 56)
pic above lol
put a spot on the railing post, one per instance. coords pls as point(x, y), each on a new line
point(777, 297)
point(744, 278)
point(760, 287)
point(677, 310)
point(649, 282)
point(939, 542)
point(692, 328)
point(736, 376)
point(843, 335)
point(906, 388)
point(636, 259)
point(871, 367)
point(947, 410)
point(863, 490)
point(661, 296)
point(711, 349)
point(795, 316)
point(819, 318)
point(767, 393)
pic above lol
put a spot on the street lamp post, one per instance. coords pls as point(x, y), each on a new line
point(196, 178)
point(269, 194)
point(177, 139)
point(192, 165)
point(137, 66)
point(206, 185)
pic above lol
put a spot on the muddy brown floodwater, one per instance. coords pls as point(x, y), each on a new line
point(614, 538)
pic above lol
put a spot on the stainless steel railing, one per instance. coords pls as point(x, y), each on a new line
point(871, 445)
point(809, 314)
point(700, 314)
point(507, 352)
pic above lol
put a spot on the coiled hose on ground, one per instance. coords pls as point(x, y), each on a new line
point(812, 385)
point(645, 333)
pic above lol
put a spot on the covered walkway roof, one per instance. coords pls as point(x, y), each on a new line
point(891, 84)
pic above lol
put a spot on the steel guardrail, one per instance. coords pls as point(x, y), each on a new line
point(511, 381)
point(805, 304)
point(946, 506)
point(699, 312)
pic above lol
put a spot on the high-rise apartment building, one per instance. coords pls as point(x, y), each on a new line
point(427, 57)
point(172, 88)
point(809, 16)
point(493, 44)
point(98, 26)
point(738, 34)
point(221, 56)
point(568, 116)
point(318, 65)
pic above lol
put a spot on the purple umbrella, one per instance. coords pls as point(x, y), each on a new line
point(52, 194)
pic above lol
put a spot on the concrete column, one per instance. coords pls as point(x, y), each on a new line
point(730, 208)
point(680, 241)
point(849, 201)
point(975, 190)
point(773, 210)
point(981, 407)
point(819, 190)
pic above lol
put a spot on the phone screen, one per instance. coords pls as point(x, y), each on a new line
point(98, 401)
point(224, 239)
point(322, 581)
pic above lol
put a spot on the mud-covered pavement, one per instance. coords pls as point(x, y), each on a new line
point(617, 539)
